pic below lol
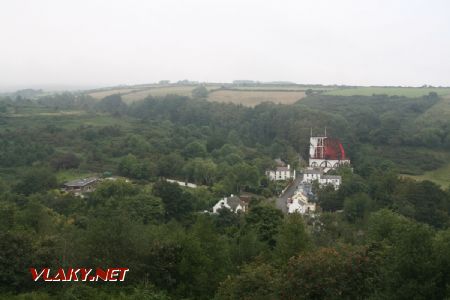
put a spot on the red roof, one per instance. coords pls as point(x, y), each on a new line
point(333, 149)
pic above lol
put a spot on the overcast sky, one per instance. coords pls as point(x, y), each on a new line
point(84, 43)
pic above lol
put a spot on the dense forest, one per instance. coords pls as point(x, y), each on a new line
point(380, 236)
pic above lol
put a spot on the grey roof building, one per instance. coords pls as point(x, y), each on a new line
point(83, 185)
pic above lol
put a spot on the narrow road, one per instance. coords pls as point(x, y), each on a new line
point(281, 202)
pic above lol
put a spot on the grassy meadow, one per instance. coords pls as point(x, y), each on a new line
point(248, 96)
point(440, 176)
point(136, 93)
point(438, 114)
point(390, 91)
point(252, 98)
point(158, 92)
point(104, 93)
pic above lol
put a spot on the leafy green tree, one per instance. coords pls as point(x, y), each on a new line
point(115, 188)
point(247, 247)
point(203, 198)
point(292, 238)
point(226, 219)
point(63, 203)
point(329, 199)
point(406, 270)
point(112, 104)
point(65, 161)
point(255, 281)
point(8, 215)
point(200, 92)
point(241, 176)
point(144, 207)
point(214, 258)
point(328, 273)
point(431, 204)
point(441, 249)
point(119, 237)
point(194, 149)
point(357, 206)
point(170, 165)
point(265, 220)
point(328, 230)
point(16, 258)
point(201, 171)
point(177, 204)
point(128, 165)
point(383, 224)
point(36, 180)
point(382, 186)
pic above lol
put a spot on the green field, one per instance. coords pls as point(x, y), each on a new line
point(248, 96)
point(438, 114)
point(108, 92)
point(136, 93)
point(283, 88)
point(67, 121)
point(252, 98)
point(158, 92)
point(390, 91)
point(440, 176)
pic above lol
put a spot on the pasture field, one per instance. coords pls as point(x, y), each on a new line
point(252, 98)
point(50, 114)
point(39, 117)
point(282, 88)
point(438, 114)
point(136, 93)
point(390, 91)
point(439, 176)
point(158, 92)
point(102, 94)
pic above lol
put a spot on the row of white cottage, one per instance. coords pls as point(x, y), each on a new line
point(311, 175)
point(284, 172)
point(299, 202)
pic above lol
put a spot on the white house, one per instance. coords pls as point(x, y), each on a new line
point(310, 175)
point(334, 180)
point(281, 173)
point(299, 203)
point(233, 203)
